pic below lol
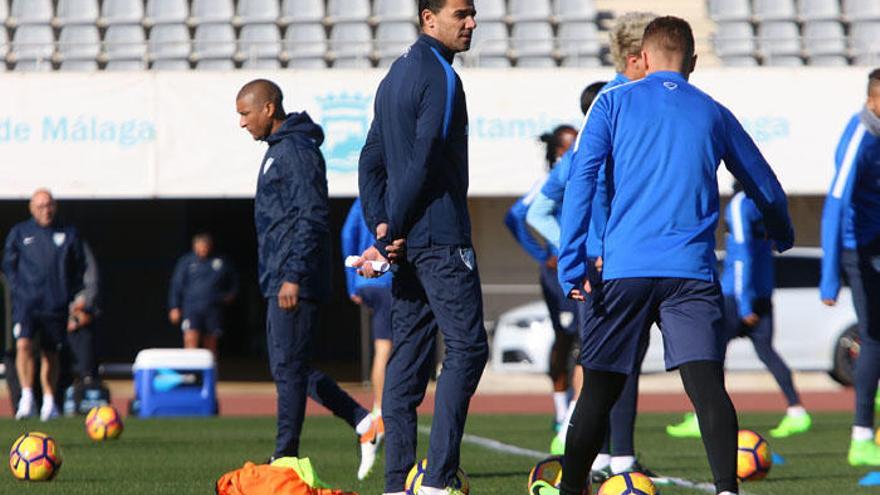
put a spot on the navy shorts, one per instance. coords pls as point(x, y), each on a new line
point(734, 326)
point(378, 300)
point(563, 311)
point(689, 313)
point(51, 328)
point(205, 320)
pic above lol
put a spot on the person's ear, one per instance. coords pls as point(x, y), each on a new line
point(428, 19)
point(269, 109)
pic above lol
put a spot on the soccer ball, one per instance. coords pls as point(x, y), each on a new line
point(753, 456)
point(417, 474)
point(34, 457)
point(103, 422)
point(549, 470)
point(628, 484)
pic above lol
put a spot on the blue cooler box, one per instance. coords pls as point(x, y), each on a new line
point(174, 382)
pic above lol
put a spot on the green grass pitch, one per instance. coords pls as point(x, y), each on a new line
point(180, 456)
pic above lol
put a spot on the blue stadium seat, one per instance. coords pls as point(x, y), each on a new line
point(122, 12)
point(824, 38)
point(77, 12)
point(529, 10)
point(169, 42)
point(730, 10)
point(79, 42)
point(258, 43)
point(125, 42)
point(862, 10)
point(351, 45)
point(392, 39)
point(302, 11)
point(490, 10)
point(211, 11)
point(774, 10)
point(348, 10)
point(734, 39)
point(30, 12)
point(214, 41)
point(819, 10)
point(32, 46)
point(395, 10)
point(575, 10)
point(167, 12)
point(258, 11)
point(306, 45)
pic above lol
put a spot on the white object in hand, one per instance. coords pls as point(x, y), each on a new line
point(378, 266)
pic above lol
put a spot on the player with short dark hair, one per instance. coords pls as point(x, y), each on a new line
point(413, 177)
point(291, 210)
point(665, 140)
point(851, 240)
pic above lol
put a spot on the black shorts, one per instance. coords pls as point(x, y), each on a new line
point(51, 328)
point(205, 320)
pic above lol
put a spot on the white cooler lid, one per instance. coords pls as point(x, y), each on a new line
point(174, 358)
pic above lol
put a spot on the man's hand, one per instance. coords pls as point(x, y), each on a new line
point(395, 250)
point(365, 269)
point(77, 320)
point(581, 294)
point(381, 230)
point(751, 320)
point(599, 263)
point(288, 296)
point(829, 302)
point(356, 299)
point(174, 316)
point(551, 262)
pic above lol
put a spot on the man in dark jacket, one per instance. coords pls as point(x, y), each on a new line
point(201, 285)
point(293, 237)
point(413, 176)
point(44, 263)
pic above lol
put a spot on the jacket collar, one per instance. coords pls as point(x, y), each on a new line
point(870, 121)
point(432, 42)
point(668, 74)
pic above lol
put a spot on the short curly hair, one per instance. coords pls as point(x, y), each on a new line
point(626, 36)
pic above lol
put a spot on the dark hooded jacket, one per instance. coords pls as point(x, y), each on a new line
point(291, 211)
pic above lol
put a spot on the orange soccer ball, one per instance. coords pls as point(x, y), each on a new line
point(103, 423)
point(34, 457)
point(754, 458)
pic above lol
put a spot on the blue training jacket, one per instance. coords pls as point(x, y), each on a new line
point(44, 267)
point(665, 139)
point(851, 216)
point(546, 211)
point(748, 263)
point(516, 223)
point(200, 283)
point(291, 211)
point(413, 170)
point(356, 238)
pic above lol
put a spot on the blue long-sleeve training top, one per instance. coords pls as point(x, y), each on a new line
point(748, 262)
point(291, 211)
point(199, 283)
point(851, 216)
point(665, 139)
point(516, 223)
point(413, 169)
point(356, 238)
point(44, 267)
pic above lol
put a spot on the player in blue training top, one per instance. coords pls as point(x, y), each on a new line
point(851, 239)
point(413, 178)
point(563, 311)
point(375, 295)
point(201, 286)
point(665, 140)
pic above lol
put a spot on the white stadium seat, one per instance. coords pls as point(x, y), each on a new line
point(866, 42)
point(259, 42)
point(779, 38)
point(575, 10)
point(169, 42)
point(79, 43)
point(395, 10)
point(862, 10)
point(816, 10)
point(579, 44)
point(31, 12)
point(730, 10)
point(392, 39)
point(215, 64)
point(529, 10)
point(33, 43)
point(490, 10)
point(123, 11)
point(306, 45)
point(351, 44)
point(302, 11)
point(125, 65)
point(775, 10)
point(734, 39)
point(171, 64)
point(348, 10)
point(258, 11)
point(125, 42)
point(167, 11)
point(78, 66)
point(214, 41)
point(211, 11)
point(77, 12)
point(824, 38)
point(532, 39)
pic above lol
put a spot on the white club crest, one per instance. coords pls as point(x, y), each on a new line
point(217, 264)
point(58, 238)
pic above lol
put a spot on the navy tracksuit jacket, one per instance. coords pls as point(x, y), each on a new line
point(199, 284)
point(413, 174)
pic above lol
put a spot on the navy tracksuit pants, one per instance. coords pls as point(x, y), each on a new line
point(862, 268)
point(289, 339)
point(437, 288)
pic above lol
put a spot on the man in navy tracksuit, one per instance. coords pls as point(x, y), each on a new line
point(293, 242)
point(665, 139)
point(44, 264)
point(202, 284)
point(413, 184)
point(851, 239)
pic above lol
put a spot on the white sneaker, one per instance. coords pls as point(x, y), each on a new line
point(427, 490)
point(370, 443)
point(48, 411)
point(25, 407)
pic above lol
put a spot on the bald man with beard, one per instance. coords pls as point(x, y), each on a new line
point(293, 238)
point(44, 262)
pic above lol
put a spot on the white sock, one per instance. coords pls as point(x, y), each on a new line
point(602, 461)
point(862, 433)
point(622, 463)
point(726, 493)
point(568, 414)
point(48, 401)
point(27, 393)
point(796, 411)
point(560, 403)
point(364, 425)
point(427, 490)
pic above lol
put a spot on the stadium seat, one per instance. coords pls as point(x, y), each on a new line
point(259, 42)
point(215, 64)
point(170, 64)
point(392, 39)
point(351, 45)
point(729, 10)
point(536, 61)
point(490, 10)
point(4, 15)
point(305, 45)
point(261, 63)
point(348, 10)
point(575, 10)
point(579, 44)
point(739, 61)
point(125, 65)
point(582, 61)
point(125, 42)
point(774, 10)
point(166, 12)
point(783, 61)
point(33, 65)
point(211, 11)
point(489, 44)
point(734, 39)
point(779, 39)
point(532, 39)
point(829, 61)
point(395, 10)
point(302, 11)
point(77, 12)
point(4, 47)
point(817, 10)
point(122, 12)
point(169, 42)
point(529, 10)
point(79, 43)
point(258, 11)
point(824, 38)
point(865, 38)
point(78, 66)
point(214, 41)
point(33, 44)
point(30, 12)
point(862, 10)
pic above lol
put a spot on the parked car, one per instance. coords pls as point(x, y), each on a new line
point(808, 334)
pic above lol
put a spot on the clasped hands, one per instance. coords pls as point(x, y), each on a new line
point(396, 253)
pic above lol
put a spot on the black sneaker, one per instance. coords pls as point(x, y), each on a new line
point(638, 468)
point(599, 476)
